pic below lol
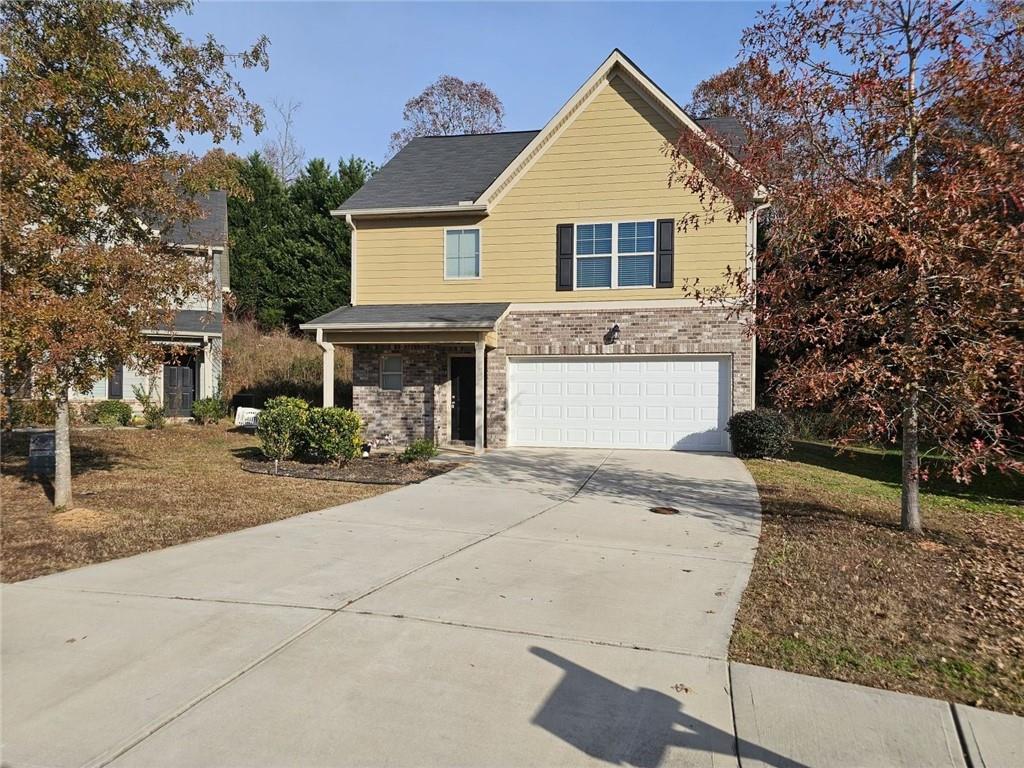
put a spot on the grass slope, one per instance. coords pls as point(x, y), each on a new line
point(839, 591)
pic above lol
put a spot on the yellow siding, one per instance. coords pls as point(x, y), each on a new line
point(608, 165)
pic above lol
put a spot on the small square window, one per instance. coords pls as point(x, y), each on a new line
point(391, 372)
point(461, 254)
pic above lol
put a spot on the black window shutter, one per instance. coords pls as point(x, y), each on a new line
point(666, 252)
point(563, 257)
point(115, 384)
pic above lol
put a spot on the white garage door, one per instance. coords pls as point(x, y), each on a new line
point(679, 403)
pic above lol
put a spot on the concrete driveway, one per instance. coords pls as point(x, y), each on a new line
point(527, 609)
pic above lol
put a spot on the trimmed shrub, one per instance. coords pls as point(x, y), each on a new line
point(419, 450)
point(286, 402)
point(112, 413)
point(280, 431)
point(759, 434)
point(209, 410)
point(333, 434)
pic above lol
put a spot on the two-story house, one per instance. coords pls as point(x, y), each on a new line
point(194, 340)
point(525, 289)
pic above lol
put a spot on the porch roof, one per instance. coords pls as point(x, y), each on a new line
point(402, 317)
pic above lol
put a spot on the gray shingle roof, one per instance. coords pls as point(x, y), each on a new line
point(440, 170)
point(210, 230)
point(729, 132)
point(193, 322)
point(401, 316)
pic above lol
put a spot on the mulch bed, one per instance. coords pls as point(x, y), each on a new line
point(382, 469)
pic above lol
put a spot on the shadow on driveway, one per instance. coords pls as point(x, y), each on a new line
point(621, 726)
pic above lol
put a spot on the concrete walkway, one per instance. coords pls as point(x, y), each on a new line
point(527, 609)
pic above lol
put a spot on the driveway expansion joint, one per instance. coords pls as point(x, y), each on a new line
point(528, 633)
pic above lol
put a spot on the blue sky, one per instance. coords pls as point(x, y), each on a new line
point(353, 65)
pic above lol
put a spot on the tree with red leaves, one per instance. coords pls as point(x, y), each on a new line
point(890, 138)
point(449, 107)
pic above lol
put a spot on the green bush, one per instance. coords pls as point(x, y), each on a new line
point(332, 434)
point(152, 409)
point(30, 413)
point(761, 433)
point(112, 413)
point(281, 431)
point(286, 402)
point(209, 410)
point(419, 450)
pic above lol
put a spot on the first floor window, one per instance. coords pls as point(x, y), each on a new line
point(391, 372)
point(461, 253)
point(615, 255)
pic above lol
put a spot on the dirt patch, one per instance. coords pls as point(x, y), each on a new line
point(83, 519)
point(377, 470)
point(838, 591)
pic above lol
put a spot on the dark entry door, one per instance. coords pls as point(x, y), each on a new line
point(179, 386)
point(463, 398)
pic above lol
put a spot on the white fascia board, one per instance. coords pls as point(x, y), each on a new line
point(357, 328)
point(428, 210)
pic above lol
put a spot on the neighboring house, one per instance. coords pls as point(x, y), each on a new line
point(197, 326)
point(525, 289)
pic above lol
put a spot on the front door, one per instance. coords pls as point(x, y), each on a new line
point(179, 386)
point(463, 398)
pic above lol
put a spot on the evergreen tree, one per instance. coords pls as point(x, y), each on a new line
point(291, 260)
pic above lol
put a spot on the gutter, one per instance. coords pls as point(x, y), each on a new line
point(395, 327)
point(427, 210)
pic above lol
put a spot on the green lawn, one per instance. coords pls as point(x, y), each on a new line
point(838, 591)
point(864, 472)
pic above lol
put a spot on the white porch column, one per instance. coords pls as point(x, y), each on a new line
point(328, 349)
point(481, 405)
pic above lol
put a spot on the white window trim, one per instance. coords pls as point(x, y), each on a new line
point(614, 255)
point(444, 254)
point(400, 373)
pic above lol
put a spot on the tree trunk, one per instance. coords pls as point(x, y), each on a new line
point(62, 456)
point(910, 504)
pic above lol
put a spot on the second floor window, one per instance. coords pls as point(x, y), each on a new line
point(619, 255)
point(461, 254)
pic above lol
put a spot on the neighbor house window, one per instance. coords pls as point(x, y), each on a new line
point(391, 372)
point(619, 255)
point(461, 254)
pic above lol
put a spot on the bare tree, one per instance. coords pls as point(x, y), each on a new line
point(449, 107)
point(283, 152)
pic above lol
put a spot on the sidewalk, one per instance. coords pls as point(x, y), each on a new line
point(817, 722)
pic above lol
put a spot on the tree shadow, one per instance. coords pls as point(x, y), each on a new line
point(727, 504)
point(885, 467)
point(621, 726)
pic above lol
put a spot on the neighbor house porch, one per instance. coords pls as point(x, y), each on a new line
point(418, 371)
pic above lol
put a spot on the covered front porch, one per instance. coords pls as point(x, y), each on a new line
point(418, 371)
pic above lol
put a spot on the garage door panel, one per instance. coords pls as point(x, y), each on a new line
point(614, 402)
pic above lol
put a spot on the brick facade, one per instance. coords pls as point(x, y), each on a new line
point(421, 409)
